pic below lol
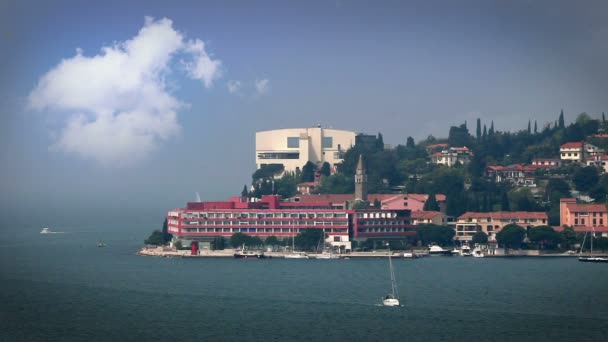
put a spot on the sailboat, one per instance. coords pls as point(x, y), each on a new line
point(324, 253)
point(590, 258)
point(293, 254)
point(391, 299)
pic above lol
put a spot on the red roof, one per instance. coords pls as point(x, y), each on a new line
point(576, 144)
point(342, 198)
point(591, 208)
point(583, 229)
point(426, 215)
point(514, 167)
point(505, 215)
point(307, 184)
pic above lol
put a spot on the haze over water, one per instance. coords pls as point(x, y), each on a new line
point(61, 287)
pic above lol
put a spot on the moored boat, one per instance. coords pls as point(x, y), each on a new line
point(590, 258)
point(249, 254)
point(438, 250)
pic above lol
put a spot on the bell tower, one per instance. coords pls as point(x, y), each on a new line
point(360, 181)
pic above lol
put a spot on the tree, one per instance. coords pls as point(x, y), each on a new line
point(325, 169)
point(504, 204)
point(377, 203)
point(308, 172)
point(569, 237)
point(239, 239)
point(156, 238)
point(410, 142)
point(166, 235)
point(432, 233)
point(431, 203)
point(219, 243)
point(380, 142)
point(267, 171)
point(459, 136)
point(478, 130)
point(480, 237)
point(529, 127)
point(272, 241)
point(585, 178)
point(511, 236)
point(544, 236)
point(561, 123)
point(309, 239)
point(245, 192)
point(535, 127)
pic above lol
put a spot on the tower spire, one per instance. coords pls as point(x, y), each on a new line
point(360, 181)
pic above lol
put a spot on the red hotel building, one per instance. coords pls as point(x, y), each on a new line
point(202, 221)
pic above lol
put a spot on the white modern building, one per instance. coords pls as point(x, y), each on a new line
point(294, 147)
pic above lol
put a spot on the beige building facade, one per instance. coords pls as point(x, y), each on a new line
point(294, 147)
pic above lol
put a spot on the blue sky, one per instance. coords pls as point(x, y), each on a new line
point(84, 135)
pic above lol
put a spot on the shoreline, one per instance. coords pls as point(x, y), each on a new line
point(165, 252)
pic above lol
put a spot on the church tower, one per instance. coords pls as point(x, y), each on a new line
point(360, 181)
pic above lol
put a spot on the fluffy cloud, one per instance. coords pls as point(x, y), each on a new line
point(119, 105)
point(234, 86)
point(261, 86)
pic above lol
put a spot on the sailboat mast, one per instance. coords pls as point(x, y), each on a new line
point(393, 284)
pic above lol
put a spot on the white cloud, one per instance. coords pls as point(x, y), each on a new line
point(234, 86)
point(202, 67)
point(261, 86)
point(118, 100)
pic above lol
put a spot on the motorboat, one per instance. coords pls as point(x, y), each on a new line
point(438, 250)
point(249, 254)
point(101, 244)
point(465, 250)
point(410, 255)
point(391, 299)
point(478, 252)
point(45, 230)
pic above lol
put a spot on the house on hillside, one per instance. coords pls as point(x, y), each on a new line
point(452, 155)
point(578, 151)
point(517, 174)
point(599, 160)
point(428, 217)
point(546, 163)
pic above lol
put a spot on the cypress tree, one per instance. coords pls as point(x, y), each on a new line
point(504, 205)
point(410, 142)
point(561, 119)
point(245, 193)
point(535, 127)
point(491, 131)
point(603, 118)
point(485, 132)
point(529, 127)
point(431, 203)
point(478, 131)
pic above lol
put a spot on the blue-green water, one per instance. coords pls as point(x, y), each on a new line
point(61, 287)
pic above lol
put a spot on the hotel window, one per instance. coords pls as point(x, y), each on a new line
point(293, 142)
point(327, 142)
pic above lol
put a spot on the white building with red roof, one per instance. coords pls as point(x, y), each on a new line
point(578, 151)
point(452, 155)
point(599, 160)
point(517, 174)
point(491, 223)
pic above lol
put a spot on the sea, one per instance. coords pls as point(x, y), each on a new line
point(62, 287)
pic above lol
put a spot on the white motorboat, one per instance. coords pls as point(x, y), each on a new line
point(326, 255)
point(438, 250)
point(410, 255)
point(465, 250)
point(478, 252)
point(391, 299)
point(45, 230)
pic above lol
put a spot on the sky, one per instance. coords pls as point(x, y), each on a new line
point(124, 110)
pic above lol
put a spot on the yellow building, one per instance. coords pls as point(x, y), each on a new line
point(491, 223)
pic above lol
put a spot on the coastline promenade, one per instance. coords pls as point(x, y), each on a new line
point(166, 252)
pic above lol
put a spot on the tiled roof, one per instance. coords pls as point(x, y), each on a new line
point(576, 144)
point(591, 208)
point(514, 167)
point(502, 215)
point(342, 198)
point(425, 214)
point(583, 229)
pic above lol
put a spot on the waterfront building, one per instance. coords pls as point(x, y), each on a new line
point(411, 202)
point(294, 147)
point(582, 215)
point(271, 216)
point(491, 223)
point(452, 155)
